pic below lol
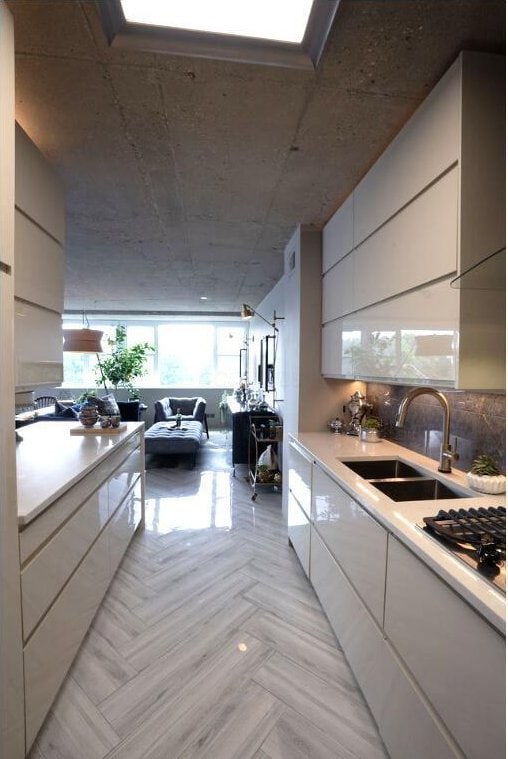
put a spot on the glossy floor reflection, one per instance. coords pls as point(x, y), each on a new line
point(210, 641)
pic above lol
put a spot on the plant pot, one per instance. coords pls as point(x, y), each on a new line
point(492, 484)
point(370, 435)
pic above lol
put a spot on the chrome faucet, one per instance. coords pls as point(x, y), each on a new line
point(447, 454)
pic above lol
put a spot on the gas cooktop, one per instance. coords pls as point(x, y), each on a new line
point(475, 535)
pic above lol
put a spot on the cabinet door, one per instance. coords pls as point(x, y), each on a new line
point(38, 338)
point(415, 247)
point(426, 146)
point(299, 532)
point(406, 724)
point(408, 340)
point(338, 235)
point(123, 525)
point(45, 575)
point(39, 266)
point(300, 477)
point(50, 651)
point(459, 665)
point(356, 541)
point(331, 349)
point(338, 290)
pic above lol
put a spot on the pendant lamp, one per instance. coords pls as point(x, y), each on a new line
point(84, 340)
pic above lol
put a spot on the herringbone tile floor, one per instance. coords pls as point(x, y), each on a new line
point(210, 641)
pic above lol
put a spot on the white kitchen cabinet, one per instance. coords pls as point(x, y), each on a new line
point(38, 268)
point(69, 554)
point(450, 650)
point(299, 503)
point(406, 724)
point(424, 149)
point(338, 235)
point(299, 532)
point(355, 540)
point(432, 206)
point(338, 290)
point(395, 339)
point(416, 246)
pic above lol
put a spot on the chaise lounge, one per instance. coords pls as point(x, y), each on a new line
point(164, 438)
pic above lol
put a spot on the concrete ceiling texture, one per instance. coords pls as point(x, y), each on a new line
point(185, 177)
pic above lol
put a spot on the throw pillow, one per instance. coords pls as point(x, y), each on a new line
point(107, 405)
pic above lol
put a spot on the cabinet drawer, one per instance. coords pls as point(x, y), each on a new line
point(52, 648)
point(344, 525)
point(123, 525)
point(125, 476)
point(408, 727)
point(300, 477)
point(460, 666)
point(44, 576)
point(299, 532)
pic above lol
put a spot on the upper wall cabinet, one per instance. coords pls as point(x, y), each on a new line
point(38, 268)
point(430, 208)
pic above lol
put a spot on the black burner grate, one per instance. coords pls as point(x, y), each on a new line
point(471, 525)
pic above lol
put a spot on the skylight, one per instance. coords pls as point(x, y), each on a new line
point(279, 20)
point(269, 32)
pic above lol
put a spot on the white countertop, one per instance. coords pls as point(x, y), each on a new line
point(400, 518)
point(49, 460)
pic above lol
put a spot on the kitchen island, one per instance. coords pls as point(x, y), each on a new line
point(80, 500)
point(423, 632)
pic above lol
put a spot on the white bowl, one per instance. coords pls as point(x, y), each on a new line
point(492, 484)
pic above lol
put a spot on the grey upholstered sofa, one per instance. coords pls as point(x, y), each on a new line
point(191, 409)
point(164, 438)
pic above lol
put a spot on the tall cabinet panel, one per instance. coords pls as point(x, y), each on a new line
point(39, 277)
point(12, 744)
point(430, 208)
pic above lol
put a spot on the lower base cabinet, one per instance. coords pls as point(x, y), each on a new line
point(74, 551)
point(453, 653)
point(299, 532)
point(408, 727)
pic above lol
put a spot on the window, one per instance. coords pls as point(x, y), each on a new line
point(187, 353)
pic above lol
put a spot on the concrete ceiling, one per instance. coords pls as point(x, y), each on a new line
point(185, 177)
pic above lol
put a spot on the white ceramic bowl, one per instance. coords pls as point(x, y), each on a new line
point(492, 484)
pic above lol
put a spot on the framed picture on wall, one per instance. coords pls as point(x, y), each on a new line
point(261, 364)
point(243, 363)
point(269, 353)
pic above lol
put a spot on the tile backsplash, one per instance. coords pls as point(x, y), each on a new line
point(477, 422)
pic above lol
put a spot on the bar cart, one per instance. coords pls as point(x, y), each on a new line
point(264, 431)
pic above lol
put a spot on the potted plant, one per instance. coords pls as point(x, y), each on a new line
point(123, 365)
point(370, 429)
point(485, 475)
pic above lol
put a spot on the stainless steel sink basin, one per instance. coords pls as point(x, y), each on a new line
point(421, 489)
point(376, 469)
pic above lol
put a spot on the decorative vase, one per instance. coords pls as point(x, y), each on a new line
point(492, 484)
point(88, 414)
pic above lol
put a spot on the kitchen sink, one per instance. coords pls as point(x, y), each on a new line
point(421, 489)
point(376, 469)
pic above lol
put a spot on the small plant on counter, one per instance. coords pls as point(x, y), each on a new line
point(485, 466)
point(372, 423)
point(485, 475)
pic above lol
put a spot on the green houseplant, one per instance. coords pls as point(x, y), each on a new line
point(123, 365)
point(370, 429)
point(485, 475)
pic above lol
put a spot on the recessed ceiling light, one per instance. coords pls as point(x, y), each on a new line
point(203, 297)
point(282, 20)
point(273, 32)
